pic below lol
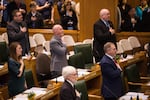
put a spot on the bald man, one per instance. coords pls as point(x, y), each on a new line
point(103, 32)
point(58, 51)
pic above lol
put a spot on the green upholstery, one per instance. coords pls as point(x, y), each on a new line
point(3, 52)
point(81, 87)
point(86, 50)
point(76, 60)
point(132, 74)
point(29, 78)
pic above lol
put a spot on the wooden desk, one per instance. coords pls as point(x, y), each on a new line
point(4, 81)
point(139, 59)
point(4, 70)
point(31, 64)
point(93, 81)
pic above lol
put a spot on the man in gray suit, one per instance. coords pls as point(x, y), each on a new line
point(58, 51)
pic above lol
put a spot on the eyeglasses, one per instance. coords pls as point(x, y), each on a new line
point(74, 74)
point(18, 15)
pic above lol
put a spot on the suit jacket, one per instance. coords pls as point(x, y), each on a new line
point(112, 82)
point(58, 54)
point(34, 24)
point(16, 35)
point(101, 36)
point(67, 92)
point(128, 26)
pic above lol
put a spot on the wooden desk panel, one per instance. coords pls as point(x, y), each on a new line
point(31, 64)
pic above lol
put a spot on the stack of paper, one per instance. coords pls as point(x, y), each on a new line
point(134, 96)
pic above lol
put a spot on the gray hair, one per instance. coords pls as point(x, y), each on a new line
point(107, 46)
point(66, 71)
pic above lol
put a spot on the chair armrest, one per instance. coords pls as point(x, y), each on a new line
point(94, 97)
point(139, 84)
point(132, 83)
point(145, 78)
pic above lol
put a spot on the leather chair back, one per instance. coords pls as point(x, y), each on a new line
point(76, 60)
point(3, 52)
point(29, 78)
point(133, 75)
point(81, 87)
point(86, 51)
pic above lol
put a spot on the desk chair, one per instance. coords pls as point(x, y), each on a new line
point(3, 52)
point(127, 48)
point(76, 60)
point(135, 43)
point(43, 68)
point(134, 80)
point(39, 38)
point(68, 40)
point(33, 44)
point(29, 78)
point(5, 37)
point(87, 41)
point(86, 51)
point(81, 87)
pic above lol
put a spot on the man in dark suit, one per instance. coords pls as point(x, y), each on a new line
point(112, 87)
point(67, 91)
point(18, 32)
point(103, 32)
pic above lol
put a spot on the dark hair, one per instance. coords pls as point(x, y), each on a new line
point(12, 50)
point(15, 12)
point(32, 4)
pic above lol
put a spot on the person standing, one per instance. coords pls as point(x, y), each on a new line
point(58, 51)
point(16, 5)
point(45, 7)
point(67, 91)
point(16, 68)
point(103, 32)
point(112, 87)
point(17, 32)
point(34, 19)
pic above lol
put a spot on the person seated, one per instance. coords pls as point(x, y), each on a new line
point(34, 18)
point(67, 91)
point(131, 22)
point(68, 17)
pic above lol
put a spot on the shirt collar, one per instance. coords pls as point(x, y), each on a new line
point(70, 83)
point(109, 56)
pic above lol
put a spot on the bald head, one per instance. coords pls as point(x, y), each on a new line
point(104, 14)
point(57, 30)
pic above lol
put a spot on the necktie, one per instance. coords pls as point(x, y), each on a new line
point(107, 24)
point(118, 66)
